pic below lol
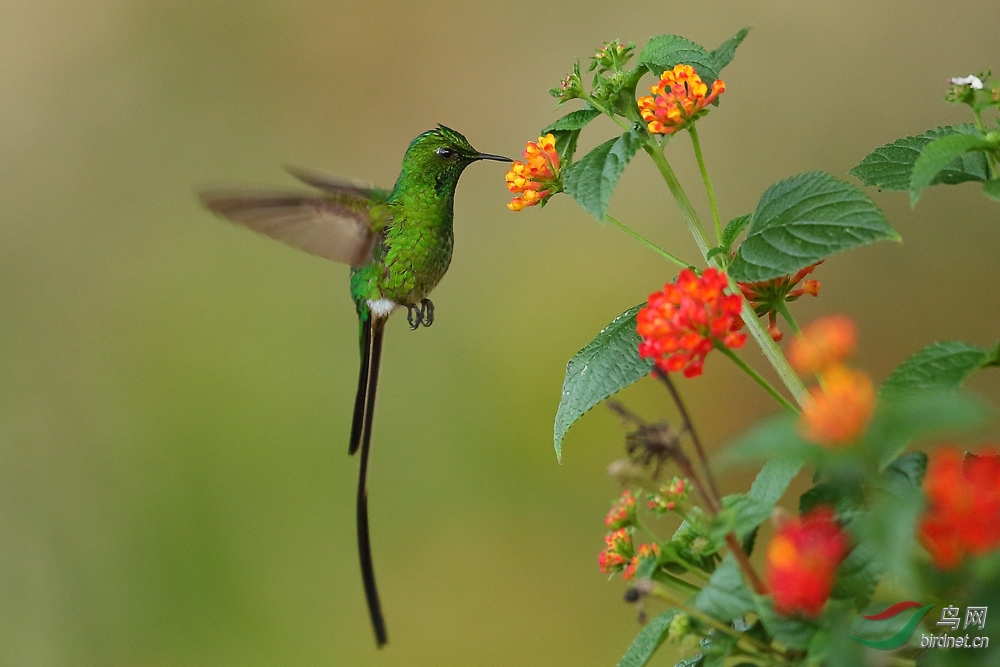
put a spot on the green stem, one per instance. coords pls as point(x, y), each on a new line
point(756, 377)
point(744, 641)
point(655, 151)
point(696, 144)
point(782, 309)
point(646, 242)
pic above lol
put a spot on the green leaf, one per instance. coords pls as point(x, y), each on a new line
point(661, 53)
point(566, 144)
point(648, 641)
point(938, 155)
point(723, 55)
point(604, 366)
point(574, 120)
point(592, 179)
point(767, 489)
point(890, 166)
point(734, 229)
point(938, 367)
point(920, 417)
point(795, 633)
point(857, 576)
point(804, 219)
point(725, 596)
point(992, 189)
point(906, 472)
point(774, 439)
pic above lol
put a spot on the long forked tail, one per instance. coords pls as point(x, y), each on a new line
point(361, 434)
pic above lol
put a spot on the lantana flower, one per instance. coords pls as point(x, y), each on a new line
point(678, 99)
point(644, 552)
point(685, 321)
point(537, 178)
point(963, 505)
point(802, 561)
point(766, 296)
point(622, 513)
point(826, 342)
point(838, 412)
point(670, 496)
point(618, 551)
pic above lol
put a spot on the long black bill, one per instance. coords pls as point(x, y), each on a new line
point(490, 156)
point(361, 434)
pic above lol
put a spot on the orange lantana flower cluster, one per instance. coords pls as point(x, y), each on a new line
point(684, 322)
point(802, 560)
point(622, 513)
point(537, 178)
point(679, 98)
point(618, 551)
point(963, 512)
point(837, 412)
point(765, 296)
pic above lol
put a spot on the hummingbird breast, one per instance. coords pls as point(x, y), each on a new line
point(415, 254)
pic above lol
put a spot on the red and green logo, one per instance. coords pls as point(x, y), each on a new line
point(904, 633)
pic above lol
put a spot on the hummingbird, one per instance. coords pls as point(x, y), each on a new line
point(398, 244)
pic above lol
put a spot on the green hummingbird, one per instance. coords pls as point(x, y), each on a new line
point(399, 245)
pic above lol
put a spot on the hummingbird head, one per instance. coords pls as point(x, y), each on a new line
point(443, 153)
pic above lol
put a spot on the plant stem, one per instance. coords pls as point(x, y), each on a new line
point(646, 242)
point(756, 377)
point(782, 309)
point(696, 144)
point(687, 210)
point(688, 426)
point(763, 339)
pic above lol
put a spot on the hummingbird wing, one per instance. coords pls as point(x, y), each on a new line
point(337, 184)
point(336, 225)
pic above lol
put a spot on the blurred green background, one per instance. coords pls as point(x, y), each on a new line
point(175, 393)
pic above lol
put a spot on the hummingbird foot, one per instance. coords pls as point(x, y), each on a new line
point(420, 314)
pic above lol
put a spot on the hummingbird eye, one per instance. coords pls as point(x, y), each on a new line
point(445, 152)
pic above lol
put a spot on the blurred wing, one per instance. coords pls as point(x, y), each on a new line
point(336, 184)
point(337, 226)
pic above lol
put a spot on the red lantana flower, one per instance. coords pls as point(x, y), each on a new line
point(678, 99)
point(622, 513)
point(645, 552)
point(838, 412)
point(681, 324)
point(802, 559)
point(963, 505)
point(617, 553)
point(537, 178)
point(767, 295)
point(826, 342)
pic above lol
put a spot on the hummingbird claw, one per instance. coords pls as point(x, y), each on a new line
point(427, 312)
point(420, 314)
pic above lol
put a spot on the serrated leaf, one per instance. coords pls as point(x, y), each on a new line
point(905, 472)
point(592, 179)
point(890, 166)
point(604, 366)
point(920, 417)
point(938, 155)
point(723, 55)
point(733, 229)
point(768, 487)
point(857, 576)
point(725, 596)
point(940, 366)
point(661, 53)
point(648, 640)
point(574, 120)
point(992, 189)
point(804, 219)
point(794, 632)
